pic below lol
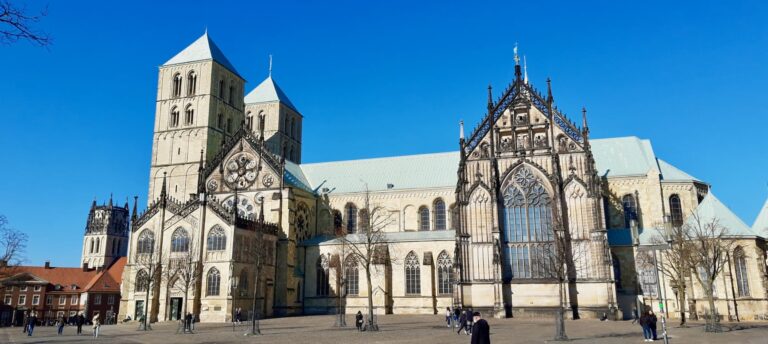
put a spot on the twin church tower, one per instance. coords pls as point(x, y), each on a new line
point(200, 104)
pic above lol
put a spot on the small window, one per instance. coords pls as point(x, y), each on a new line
point(191, 83)
point(111, 299)
point(8, 299)
point(189, 115)
point(38, 288)
point(73, 301)
point(350, 211)
point(676, 210)
point(231, 95)
point(35, 300)
point(97, 299)
point(220, 121)
point(630, 209)
point(23, 288)
point(440, 224)
point(174, 120)
point(221, 89)
point(423, 219)
point(62, 299)
point(49, 299)
point(22, 299)
point(176, 85)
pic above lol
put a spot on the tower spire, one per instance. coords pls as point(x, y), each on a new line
point(550, 99)
point(134, 216)
point(585, 127)
point(490, 98)
point(518, 73)
point(461, 130)
point(525, 70)
point(163, 191)
point(200, 177)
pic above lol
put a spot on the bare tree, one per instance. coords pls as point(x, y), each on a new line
point(181, 272)
point(675, 262)
point(259, 257)
point(709, 250)
point(148, 276)
point(341, 276)
point(12, 245)
point(16, 24)
point(369, 246)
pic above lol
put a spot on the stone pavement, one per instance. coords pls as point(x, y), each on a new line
point(421, 329)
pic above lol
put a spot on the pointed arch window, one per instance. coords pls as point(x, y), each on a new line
point(350, 210)
point(212, 282)
point(323, 272)
point(740, 265)
point(629, 204)
point(423, 218)
point(220, 121)
point(338, 222)
point(676, 210)
point(180, 240)
point(177, 85)
point(191, 83)
point(243, 282)
point(221, 89)
point(92, 244)
point(146, 242)
point(142, 281)
point(249, 121)
point(98, 244)
point(174, 120)
point(444, 273)
point(351, 276)
point(217, 239)
point(189, 115)
point(527, 226)
point(412, 274)
point(231, 94)
point(439, 206)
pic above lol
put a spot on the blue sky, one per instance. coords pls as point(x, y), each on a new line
point(78, 117)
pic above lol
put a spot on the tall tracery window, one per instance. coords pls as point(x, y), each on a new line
point(350, 210)
point(423, 218)
point(412, 274)
point(740, 265)
point(212, 282)
point(323, 272)
point(191, 83)
point(351, 276)
point(676, 210)
point(180, 240)
point(142, 281)
point(146, 242)
point(217, 239)
point(528, 230)
point(439, 207)
point(189, 115)
point(629, 204)
point(444, 273)
point(174, 122)
point(177, 85)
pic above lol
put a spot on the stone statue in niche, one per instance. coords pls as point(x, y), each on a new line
point(521, 118)
point(562, 144)
point(484, 152)
point(506, 144)
point(538, 141)
point(522, 142)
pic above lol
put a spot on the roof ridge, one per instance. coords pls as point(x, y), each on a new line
point(378, 158)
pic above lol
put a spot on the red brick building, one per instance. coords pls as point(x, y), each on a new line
point(57, 291)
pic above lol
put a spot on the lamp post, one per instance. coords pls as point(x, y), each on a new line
point(636, 244)
point(662, 302)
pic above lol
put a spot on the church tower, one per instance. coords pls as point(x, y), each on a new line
point(268, 106)
point(199, 105)
point(106, 235)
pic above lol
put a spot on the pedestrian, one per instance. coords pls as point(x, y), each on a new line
point(635, 316)
point(188, 322)
point(239, 315)
point(462, 321)
point(359, 320)
point(481, 332)
point(60, 326)
point(79, 321)
point(468, 324)
point(456, 314)
point(652, 323)
point(645, 322)
point(96, 325)
point(32, 321)
point(448, 315)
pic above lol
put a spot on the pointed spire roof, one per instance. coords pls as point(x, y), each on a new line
point(761, 223)
point(268, 91)
point(200, 50)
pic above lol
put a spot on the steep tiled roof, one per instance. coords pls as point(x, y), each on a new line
point(62, 276)
point(761, 222)
point(108, 280)
point(200, 50)
point(268, 91)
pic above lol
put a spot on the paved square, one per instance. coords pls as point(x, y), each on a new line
point(419, 329)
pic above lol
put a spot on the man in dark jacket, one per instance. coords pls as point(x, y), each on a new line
point(481, 332)
point(468, 323)
point(79, 321)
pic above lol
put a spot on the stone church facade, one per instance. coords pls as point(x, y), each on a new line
point(474, 228)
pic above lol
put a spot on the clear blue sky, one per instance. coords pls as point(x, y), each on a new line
point(77, 118)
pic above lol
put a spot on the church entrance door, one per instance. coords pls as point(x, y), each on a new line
point(175, 308)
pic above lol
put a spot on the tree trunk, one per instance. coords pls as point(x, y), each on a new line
point(713, 322)
point(560, 316)
point(370, 326)
point(682, 305)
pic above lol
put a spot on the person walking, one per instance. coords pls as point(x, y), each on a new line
point(448, 315)
point(238, 315)
point(462, 321)
point(60, 326)
point(96, 325)
point(32, 321)
point(359, 320)
point(481, 331)
point(79, 321)
point(635, 315)
point(652, 323)
point(645, 322)
point(456, 316)
point(469, 315)
point(26, 322)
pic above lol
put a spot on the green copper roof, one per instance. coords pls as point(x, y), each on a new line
point(761, 222)
point(200, 50)
point(711, 208)
point(632, 156)
point(436, 170)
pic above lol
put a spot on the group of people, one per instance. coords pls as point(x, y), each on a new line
point(30, 321)
point(648, 321)
point(470, 322)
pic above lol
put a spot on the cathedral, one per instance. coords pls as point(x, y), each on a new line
point(481, 227)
